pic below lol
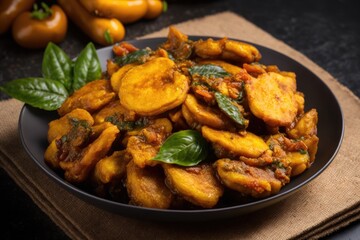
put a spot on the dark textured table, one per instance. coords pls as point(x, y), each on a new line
point(327, 31)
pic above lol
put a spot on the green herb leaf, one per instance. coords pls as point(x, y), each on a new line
point(108, 37)
point(138, 56)
point(126, 125)
point(209, 71)
point(225, 104)
point(302, 151)
point(185, 148)
point(41, 93)
point(87, 67)
point(57, 65)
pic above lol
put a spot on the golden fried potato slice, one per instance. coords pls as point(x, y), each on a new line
point(206, 115)
point(177, 118)
point(111, 168)
point(306, 126)
point(77, 169)
point(248, 145)
point(250, 181)
point(271, 98)
point(208, 49)
point(298, 162)
point(63, 125)
point(227, 49)
point(114, 111)
point(146, 187)
point(189, 119)
point(240, 51)
point(153, 87)
point(144, 146)
point(91, 97)
point(197, 184)
point(51, 155)
point(299, 97)
point(312, 145)
point(107, 178)
point(115, 79)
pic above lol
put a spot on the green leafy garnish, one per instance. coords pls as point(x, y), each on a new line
point(302, 151)
point(126, 125)
point(44, 93)
point(57, 65)
point(226, 105)
point(61, 77)
point(87, 67)
point(138, 56)
point(209, 71)
point(185, 148)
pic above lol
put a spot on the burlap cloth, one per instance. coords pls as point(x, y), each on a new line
point(326, 204)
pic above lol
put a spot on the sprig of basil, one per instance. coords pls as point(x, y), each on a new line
point(185, 148)
point(209, 71)
point(225, 104)
point(137, 56)
point(57, 65)
point(87, 67)
point(44, 93)
point(61, 76)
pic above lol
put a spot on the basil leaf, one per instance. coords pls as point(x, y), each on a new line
point(225, 104)
point(185, 148)
point(57, 65)
point(87, 67)
point(138, 56)
point(41, 93)
point(209, 71)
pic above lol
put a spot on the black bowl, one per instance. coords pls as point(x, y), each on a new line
point(33, 127)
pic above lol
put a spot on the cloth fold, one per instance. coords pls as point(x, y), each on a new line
point(327, 203)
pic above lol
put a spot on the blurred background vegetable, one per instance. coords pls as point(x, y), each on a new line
point(10, 9)
point(104, 31)
point(124, 11)
point(37, 28)
point(155, 8)
point(101, 20)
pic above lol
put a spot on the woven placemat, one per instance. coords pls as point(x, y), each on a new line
point(326, 204)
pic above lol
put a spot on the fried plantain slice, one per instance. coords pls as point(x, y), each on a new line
point(153, 87)
point(306, 125)
point(79, 162)
point(111, 168)
point(250, 181)
point(227, 49)
point(197, 184)
point(206, 115)
point(114, 111)
point(115, 79)
point(298, 162)
point(62, 126)
point(271, 97)
point(109, 172)
point(146, 187)
point(91, 97)
point(248, 145)
point(146, 144)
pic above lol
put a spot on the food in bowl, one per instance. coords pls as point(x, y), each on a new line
point(184, 126)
